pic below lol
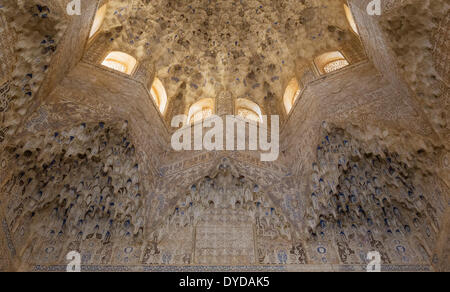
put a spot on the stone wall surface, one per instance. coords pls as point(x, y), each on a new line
point(86, 163)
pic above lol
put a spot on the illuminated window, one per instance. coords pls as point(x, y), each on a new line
point(291, 94)
point(249, 110)
point(98, 20)
point(350, 19)
point(121, 62)
point(335, 65)
point(201, 110)
point(159, 95)
point(329, 62)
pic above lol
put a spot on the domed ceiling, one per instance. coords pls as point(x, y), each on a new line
point(250, 48)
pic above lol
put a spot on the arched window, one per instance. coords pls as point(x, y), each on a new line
point(98, 20)
point(249, 110)
point(201, 110)
point(121, 62)
point(329, 62)
point(291, 94)
point(350, 19)
point(159, 95)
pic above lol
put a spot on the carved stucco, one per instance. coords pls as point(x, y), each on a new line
point(360, 139)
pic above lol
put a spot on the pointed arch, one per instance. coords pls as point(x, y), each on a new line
point(159, 95)
point(330, 62)
point(200, 110)
point(120, 61)
point(249, 110)
point(98, 20)
point(291, 94)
